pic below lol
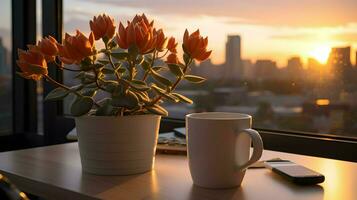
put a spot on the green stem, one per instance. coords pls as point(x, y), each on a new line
point(163, 55)
point(65, 87)
point(151, 65)
point(72, 70)
point(64, 68)
point(97, 80)
point(111, 61)
point(175, 84)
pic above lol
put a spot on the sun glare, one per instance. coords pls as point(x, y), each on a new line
point(321, 53)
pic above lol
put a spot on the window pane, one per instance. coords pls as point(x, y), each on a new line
point(39, 83)
point(289, 71)
point(5, 68)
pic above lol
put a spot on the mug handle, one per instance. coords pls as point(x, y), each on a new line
point(257, 150)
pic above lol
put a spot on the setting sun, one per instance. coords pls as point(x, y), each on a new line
point(321, 53)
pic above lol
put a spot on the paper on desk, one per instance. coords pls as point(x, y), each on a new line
point(72, 135)
point(260, 163)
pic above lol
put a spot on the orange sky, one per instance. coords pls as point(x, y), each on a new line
point(274, 30)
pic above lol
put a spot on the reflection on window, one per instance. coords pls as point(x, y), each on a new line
point(290, 72)
point(5, 69)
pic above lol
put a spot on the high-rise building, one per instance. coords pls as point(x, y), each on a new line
point(4, 68)
point(340, 60)
point(341, 68)
point(233, 65)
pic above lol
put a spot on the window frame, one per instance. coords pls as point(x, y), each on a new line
point(56, 125)
point(322, 145)
point(24, 96)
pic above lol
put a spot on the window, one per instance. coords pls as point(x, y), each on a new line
point(292, 72)
point(289, 71)
point(5, 69)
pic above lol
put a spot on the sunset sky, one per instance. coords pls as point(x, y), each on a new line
point(271, 29)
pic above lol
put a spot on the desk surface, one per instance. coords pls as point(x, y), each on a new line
point(54, 172)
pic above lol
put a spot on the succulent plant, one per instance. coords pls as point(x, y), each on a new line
point(128, 68)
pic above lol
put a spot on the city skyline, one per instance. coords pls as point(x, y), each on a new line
point(235, 67)
point(269, 30)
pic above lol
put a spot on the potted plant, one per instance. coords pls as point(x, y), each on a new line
point(117, 133)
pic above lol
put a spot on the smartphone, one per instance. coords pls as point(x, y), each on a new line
point(295, 173)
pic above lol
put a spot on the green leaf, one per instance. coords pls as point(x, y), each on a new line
point(139, 60)
point(77, 87)
point(107, 71)
point(89, 76)
point(86, 67)
point(89, 92)
point(117, 65)
point(194, 79)
point(156, 109)
point(105, 109)
point(159, 68)
point(81, 106)
point(186, 57)
point(182, 98)
point(164, 94)
point(80, 75)
point(133, 51)
point(91, 85)
point(112, 44)
point(145, 65)
point(98, 65)
point(104, 62)
point(160, 78)
point(57, 94)
point(110, 86)
point(88, 81)
point(137, 84)
point(120, 55)
point(120, 70)
point(142, 96)
point(175, 69)
point(129, 100)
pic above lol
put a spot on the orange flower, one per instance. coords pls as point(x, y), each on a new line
point(172, 58)
point(32, 64)
point(75, 48)
point(196, 46)
point(161, 40)
point(102, 26)
point(138, 32)
point(171, 45)
point(48, 47)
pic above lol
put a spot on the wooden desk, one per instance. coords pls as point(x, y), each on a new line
point(54, 172)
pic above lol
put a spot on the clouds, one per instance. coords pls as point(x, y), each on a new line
point(270, 29)
point(269, 12)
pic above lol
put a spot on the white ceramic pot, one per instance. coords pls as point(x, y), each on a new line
point(117, 145)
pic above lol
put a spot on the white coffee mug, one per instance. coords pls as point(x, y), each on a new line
point(219, 148)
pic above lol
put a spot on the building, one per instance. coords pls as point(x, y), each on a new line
point(340, 62)
point(294, 69)
point(233, 65)
point(265, 70)
point(4, 67)
point(248, 68)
